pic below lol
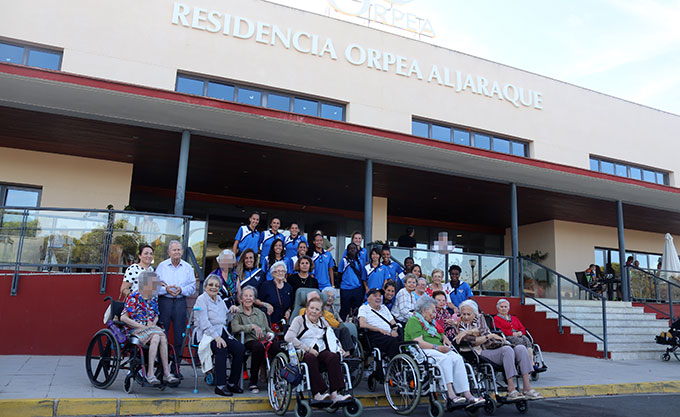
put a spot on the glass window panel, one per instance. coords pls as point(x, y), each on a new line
point(247, 96)
point(648, 175)
point(11, 53)
point(607, 167)
point(190, 86)
point(621, 170)
point(600, 257)
point(441, 133)
point(660, 178)
point(501, 145)
point(419, 129)
point(482, 141)
point(643, 259)
point(304, 106)
point(275, 101)
point(461, 137)
point(221, 91)
point(519, 149)
point(22, 198)
point(594, 164)
point(331, 111)
point(635, 173)
point(44, 59)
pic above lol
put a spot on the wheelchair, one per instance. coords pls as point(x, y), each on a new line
point(112, 349)
point(280, 391)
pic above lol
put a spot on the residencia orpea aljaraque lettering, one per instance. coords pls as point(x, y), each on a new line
point(243, 28)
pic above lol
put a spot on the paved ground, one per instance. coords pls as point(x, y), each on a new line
point(64, 377)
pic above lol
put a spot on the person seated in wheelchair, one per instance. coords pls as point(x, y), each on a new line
point(381, 328)
point(405, 299)
point(445, 318)
point(341, 331)
point(210, 319)
point(421, 328)
point(311, 334)
point(495, 348)
point(257, 336)
point(141, 316)
point(513, 329)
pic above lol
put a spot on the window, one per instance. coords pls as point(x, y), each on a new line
point(30, 55)
point(259, 97)
point(466, 137)
point(630, 171)
point(19, 196)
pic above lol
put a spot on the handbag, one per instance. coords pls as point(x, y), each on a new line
point(292, 374)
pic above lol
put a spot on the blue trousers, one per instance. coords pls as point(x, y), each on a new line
point(351, 299)
point(173, 310)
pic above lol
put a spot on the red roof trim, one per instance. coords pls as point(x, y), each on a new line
point(86, 81)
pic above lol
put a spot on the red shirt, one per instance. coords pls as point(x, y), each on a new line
point(507, 327)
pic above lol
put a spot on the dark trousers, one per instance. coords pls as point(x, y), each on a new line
point(345, 337)
point(389, 345)
point(236, 350)
point(331, 362)
point(173, 310)
point(351, 299)
point(257, 351)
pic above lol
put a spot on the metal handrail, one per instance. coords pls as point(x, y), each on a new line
point(657, 278)
point(560, 315)
point(191, 258)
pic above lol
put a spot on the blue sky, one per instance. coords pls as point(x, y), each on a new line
point(626, 48)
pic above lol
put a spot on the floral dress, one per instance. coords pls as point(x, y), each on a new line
point(142, 311)
point(440, 320)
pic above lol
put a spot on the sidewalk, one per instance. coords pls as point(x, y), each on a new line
point(58, 385)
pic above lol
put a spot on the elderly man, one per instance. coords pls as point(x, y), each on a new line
point(178, 282)
point(378, 321)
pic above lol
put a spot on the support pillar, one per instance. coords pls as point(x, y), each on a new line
point(625, 281)
point(182, 169)
point(515, 279)
point(368, 203)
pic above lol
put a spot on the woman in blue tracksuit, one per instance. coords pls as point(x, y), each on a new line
point(292, 241)
point(247, 236)
point(351, 288)
point(276, 253)
point(268, 237)
point(375, 273)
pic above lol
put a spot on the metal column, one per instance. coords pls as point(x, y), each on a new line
point(368, 203)
point(625, 282)
point(182, 169)
point(514, 243)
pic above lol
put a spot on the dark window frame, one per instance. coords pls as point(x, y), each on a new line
point(4, 187)
point(599, 161)
point(27, 50)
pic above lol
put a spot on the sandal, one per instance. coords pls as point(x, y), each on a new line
point(152, 380)
point(171, 379)
point(254, 389)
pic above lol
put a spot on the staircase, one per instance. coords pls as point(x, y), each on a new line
point(630, 331)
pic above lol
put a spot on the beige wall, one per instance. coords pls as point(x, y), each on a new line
point(136, 42)
point(379, 231)
point(68, 181)
point(536, 236)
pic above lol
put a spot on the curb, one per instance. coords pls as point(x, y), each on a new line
point(51, 407)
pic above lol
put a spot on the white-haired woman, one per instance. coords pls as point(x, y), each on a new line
point(473, 329)
point(230, 284)
point(512, 328)
point(210, 319)
point(141, 316)
point(421, 328)
point(276, 296)
point(405, 300)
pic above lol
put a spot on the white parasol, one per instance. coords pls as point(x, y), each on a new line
point(670, 261)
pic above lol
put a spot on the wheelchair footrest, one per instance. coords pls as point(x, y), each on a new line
point(321, 404)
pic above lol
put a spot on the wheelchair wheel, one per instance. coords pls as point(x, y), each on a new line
point(490, 405)
point(356, 366)
point(473, 412)
point(278, 389)
point(534, 376)
point(354, 409)
point(303, 409)
point(435, 408)
point(402, 384)
point(102, 360)
point(209, 379)
point(677, 355)
point(128, 383)
point(522, 406)
point(372, 383)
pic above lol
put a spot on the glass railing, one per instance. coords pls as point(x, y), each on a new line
point(654, 285)
point(76, 240)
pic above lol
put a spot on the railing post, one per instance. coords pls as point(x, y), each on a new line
point(625, 277)
point(514, 241)
point(182, 169)
point(108, 237)
point(670, 301)
point(368, 202)
point(559, 304)
point(521, 287)
point(604, 327)
point(20, 249)
point(479, 272)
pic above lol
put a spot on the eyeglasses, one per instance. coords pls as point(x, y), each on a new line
point(213, 284)
point(279, 271)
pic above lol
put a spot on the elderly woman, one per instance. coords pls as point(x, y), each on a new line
point(247, 271)
point(229, 290)
point(130, 282)
point(438, 284)
point(258, 339)
point(512, 328)
point(141, 315)
point(405, 300)
point(276, 296)
point(444, 319)
point(473, 329)
point(421, 287)
point(210, 320)
point(421, 328)
point(312, 335)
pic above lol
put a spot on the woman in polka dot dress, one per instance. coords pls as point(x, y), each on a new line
point(130, 282)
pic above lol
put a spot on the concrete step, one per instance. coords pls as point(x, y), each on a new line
point(621, 331)
point(635, 355)
point(598, 315)
point(594, 323)
point(587, 309)
point(635, 339)
point(553, 301)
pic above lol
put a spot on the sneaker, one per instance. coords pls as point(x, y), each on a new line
point(515, 395)
point(340, 397)
point(533, 395)
point(321, 397)
point(254, 389)
point(475, 401)
point(459, 400)
point(171, 379)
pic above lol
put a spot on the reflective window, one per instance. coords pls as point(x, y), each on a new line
point(519, 149)
point(304, 106)
point(278, 102)
point(221, 91)
point(501, 145)
point(630, 171)
point(635, 173)
point(419, 129)
point(441, 133)
point(247, 96)
point(331, 111)
point(44, 59)
point(482, 141)
point(11, 53)
point(621, 170)
point(660, 178)
point(190, 86)
point(594, 164)
point(461, 137)
point(31, 56)
point(648, 176)
point(14, 196)
point(607, 167)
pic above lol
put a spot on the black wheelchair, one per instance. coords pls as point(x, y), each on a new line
point(112, 349)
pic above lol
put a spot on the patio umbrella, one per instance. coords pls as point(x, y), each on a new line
point(670, 261)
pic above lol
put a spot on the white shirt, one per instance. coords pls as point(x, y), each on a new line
point(372, 319)
point(211, 319)
point(181, 276)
